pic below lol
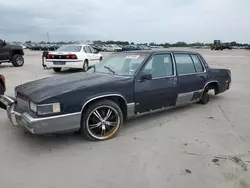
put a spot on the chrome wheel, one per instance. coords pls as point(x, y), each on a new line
point(19, 60)
point(103, 122)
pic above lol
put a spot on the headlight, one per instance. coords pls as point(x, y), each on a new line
point(44, 109)
point(33, 107)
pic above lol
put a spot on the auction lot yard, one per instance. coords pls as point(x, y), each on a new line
point(176, 148)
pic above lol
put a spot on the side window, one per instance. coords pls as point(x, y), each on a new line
point(184, 64)
point(197, 63)
point(160, 66)
point(86, 49)
point(91, 49)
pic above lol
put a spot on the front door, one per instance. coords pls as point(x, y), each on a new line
point(161, 90)
point(191, 78)
point(4, 53)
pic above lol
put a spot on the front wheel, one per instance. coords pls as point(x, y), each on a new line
point(57, 69)
point(101, 121)
point(17, 60)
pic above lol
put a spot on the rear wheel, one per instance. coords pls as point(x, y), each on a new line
point(17, 60)
point(57, 69)
point(205, 97)
point(85, 66)
point(101, 120)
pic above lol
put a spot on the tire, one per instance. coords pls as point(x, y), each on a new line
point(17, 60)
point(57, 69)
point(89, 117)
point(101, 58)
point(1, 89)
point(1, 93)
point(85, 66)
point(205, 97)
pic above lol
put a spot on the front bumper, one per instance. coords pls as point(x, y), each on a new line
point(45, 125)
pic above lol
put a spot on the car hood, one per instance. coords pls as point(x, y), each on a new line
point(45, 88)
point(10, 46)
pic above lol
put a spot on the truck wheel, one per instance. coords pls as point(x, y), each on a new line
point(101, 120)
point(17, 60)
point(85, 66)
point(205, 97)
point(57, 69)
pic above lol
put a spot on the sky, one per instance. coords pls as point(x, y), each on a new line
point(127, 20)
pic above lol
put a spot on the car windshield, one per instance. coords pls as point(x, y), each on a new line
point(69, 48)
point(120, 64)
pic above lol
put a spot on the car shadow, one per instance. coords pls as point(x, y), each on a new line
point(7, 65)
point(66, 71)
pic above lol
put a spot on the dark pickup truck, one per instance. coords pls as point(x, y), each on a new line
point(11, 53)
point(123, 85)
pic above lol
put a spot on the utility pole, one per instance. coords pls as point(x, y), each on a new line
point(48, 37)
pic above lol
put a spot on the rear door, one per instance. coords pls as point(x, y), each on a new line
point(89, 55)
point(94, 56)
point(190, 80)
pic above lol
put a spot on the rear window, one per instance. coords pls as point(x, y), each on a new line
point(69, 48)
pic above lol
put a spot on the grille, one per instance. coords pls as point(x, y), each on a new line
point(23, 104)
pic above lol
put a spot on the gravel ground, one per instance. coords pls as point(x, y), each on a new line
point(192, 146)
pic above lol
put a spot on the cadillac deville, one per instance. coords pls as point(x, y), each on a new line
point(123, 85)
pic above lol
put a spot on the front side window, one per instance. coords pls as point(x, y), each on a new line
point(184, 64)
point(197, 63)
point(120, 64)
point(160, 65)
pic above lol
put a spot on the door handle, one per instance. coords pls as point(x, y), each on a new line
point(203, 77)
point(174, 79)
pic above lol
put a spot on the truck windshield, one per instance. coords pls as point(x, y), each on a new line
point(120, 64)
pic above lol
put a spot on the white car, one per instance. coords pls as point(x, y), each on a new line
point(111, 48)
point(77, 56)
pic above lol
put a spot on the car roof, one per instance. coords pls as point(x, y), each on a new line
point(150, 52)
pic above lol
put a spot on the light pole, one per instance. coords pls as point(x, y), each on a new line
point(47, 36)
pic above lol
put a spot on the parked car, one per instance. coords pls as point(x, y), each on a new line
point(129, 48)
point(97, 47)
point(79, 56)
point(11, 54)
point(111, 48)
point(2, 90)
point(123, 85)
point(2, 85)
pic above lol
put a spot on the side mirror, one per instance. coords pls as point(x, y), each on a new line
point(96, 52)
point(145, 76)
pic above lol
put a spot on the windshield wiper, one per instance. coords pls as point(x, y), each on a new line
point(110, 70)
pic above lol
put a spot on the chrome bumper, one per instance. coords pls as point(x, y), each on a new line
point(45, 125)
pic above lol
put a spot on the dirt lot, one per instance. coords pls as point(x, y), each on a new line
point(176, 148)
